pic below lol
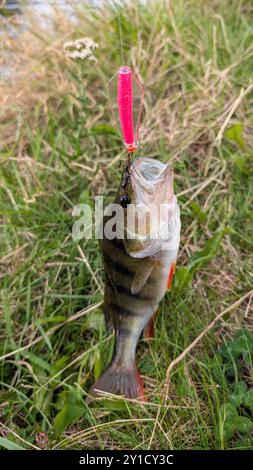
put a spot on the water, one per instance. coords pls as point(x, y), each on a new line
point(43, 6)
point(40, 9)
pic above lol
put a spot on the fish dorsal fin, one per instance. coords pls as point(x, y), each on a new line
point(142, 274)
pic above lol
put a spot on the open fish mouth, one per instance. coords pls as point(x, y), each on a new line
point(147, 172)
point(149, 168)
point(151, 178)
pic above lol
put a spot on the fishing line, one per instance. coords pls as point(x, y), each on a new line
point(120, 36)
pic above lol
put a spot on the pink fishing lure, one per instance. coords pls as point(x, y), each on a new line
point(125, 107)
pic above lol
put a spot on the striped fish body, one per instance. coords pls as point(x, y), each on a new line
point(124, 309)
point(134, 286)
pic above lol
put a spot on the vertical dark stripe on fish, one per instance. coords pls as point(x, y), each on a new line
point(116, 242)
point(122, 311)
point(122, 261)
point(117, 266)
point(120, 289)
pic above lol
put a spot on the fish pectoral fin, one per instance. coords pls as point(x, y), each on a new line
point(142, 274)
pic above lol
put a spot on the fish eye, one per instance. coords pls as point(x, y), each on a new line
point(125, 200)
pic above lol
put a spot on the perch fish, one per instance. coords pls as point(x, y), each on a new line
point(138, 271)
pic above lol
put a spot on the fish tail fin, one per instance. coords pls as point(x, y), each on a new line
point(120, 381)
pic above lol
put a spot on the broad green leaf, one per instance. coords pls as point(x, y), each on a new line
point(239, 162)
point(103, 129)
point(204, 256)
point(228, 352)
point(236, 400)
point(114, 405)
point(248, 400)
point(243, 424)
point(59, 364)
point(182, 278)
point(228, 431)
point(242, 343)
point(10, 445)
point(245, 443)
point(235, 134)
point(240, 388)
point(238, 395)
point(200, 259)
point(228, 412)
point(73, 409)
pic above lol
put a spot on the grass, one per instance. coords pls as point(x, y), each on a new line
point(58, 149)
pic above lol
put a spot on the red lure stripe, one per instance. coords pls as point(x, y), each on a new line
point(125, 106)
point(170, 277)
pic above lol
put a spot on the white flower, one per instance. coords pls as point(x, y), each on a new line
point(81, 49)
